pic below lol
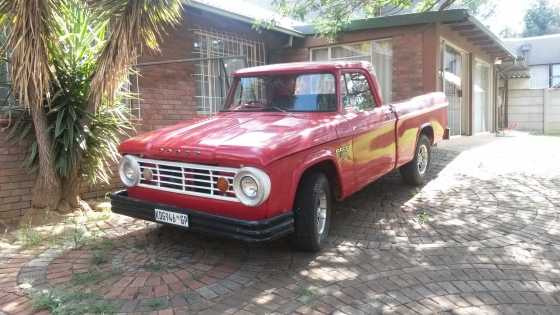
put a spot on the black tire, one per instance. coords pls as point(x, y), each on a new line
point(411, 172)
point(307, 236)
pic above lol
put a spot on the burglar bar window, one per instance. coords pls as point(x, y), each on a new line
point(210, 72)
point(378, 52)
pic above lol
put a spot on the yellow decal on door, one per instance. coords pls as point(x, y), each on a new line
point(344, 151)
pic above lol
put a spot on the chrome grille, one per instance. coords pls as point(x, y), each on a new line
point(189, 179)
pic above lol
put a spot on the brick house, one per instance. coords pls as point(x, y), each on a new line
point(416, 53)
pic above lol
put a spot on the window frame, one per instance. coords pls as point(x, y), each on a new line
point(553, 75)
point(387, 98)
point(337, 88)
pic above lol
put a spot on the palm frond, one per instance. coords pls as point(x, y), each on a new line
point(132, 25)
point(31, 23)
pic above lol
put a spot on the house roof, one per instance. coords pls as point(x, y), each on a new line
point(459, 20)
point(247, 12)
point(539, 50)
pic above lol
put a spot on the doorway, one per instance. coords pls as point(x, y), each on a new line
point(481, 94)
point(453, 87)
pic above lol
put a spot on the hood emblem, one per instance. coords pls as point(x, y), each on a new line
point(179, 151)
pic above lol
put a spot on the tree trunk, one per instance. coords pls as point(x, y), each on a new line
point(70, 197)
point(47, 189)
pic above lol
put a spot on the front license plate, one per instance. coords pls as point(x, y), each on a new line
point(172, 217)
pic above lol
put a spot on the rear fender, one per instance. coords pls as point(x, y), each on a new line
point(421, 130)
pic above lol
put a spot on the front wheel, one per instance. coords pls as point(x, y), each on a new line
point(415, 172)
point(312, 212)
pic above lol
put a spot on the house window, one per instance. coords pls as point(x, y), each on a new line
point(378, 52)
point(131, 89)
point(540, 77)
point(219, 55)
point(6, 98)
point(555, 76)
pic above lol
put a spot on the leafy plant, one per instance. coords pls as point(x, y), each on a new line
point(330, 17)
point(67, 73)
point(79, 40)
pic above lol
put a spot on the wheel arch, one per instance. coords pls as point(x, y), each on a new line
point(428, 130)
point(326, 165)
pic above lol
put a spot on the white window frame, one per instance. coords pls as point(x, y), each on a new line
point(552, 75)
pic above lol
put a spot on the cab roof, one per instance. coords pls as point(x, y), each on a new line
point(327, 66)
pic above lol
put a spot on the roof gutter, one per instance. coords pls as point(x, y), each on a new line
point(241, 18)
point(481, 26)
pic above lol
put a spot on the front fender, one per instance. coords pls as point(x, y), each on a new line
point(310, 160)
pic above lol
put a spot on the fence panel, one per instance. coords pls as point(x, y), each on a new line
point(552, 112)
point(526, 110)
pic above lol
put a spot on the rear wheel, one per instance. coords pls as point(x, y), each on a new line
point(312, 212)
point(415, 172)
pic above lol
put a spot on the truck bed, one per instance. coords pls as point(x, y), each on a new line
point(415, 114)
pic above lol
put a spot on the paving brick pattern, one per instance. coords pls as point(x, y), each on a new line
point(481, 237)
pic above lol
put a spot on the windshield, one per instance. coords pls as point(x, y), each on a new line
point(285, 93)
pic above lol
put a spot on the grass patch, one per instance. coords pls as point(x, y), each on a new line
point(88, 277)
point(153, 267)
point(306, 294)
point(92, 276)
point(29, 237)
point(98, 216)
point(99, 257)
point(422, 217)
point(71, 303)
point(155, 304)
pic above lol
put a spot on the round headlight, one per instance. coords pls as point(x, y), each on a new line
point(251, 186)
point(129, 171)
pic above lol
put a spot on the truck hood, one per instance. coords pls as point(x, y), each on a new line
point(235, 138)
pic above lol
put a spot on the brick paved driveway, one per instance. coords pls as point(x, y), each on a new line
point(483, 236)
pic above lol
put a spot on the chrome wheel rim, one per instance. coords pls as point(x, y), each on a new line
point(322, 213)
point(422, 159)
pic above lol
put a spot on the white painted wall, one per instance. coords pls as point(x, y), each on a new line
point(519, 84)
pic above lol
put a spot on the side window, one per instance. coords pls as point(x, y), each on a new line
point(357, 93)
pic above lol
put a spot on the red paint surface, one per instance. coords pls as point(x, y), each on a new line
point(285, 145)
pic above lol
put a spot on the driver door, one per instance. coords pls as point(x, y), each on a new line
point(373, 127)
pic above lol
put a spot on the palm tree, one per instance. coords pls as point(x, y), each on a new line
point(32, 45)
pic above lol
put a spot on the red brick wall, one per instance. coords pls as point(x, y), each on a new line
point(407, 65)
point(15, 182)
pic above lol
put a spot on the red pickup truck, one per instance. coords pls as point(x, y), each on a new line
point(291, 139)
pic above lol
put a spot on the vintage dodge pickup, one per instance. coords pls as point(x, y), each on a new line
point(292, 138)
